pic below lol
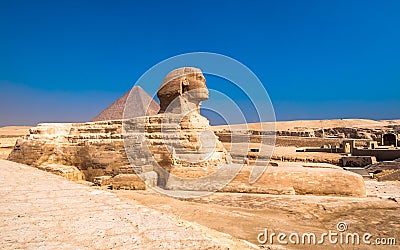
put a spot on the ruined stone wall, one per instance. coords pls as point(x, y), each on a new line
point(97, 148)
point(380, 154)
point(311, 137)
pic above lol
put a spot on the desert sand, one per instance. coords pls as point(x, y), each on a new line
point(244, 216)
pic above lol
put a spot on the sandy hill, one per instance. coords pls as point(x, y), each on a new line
point(315, 124)
point(14, 130)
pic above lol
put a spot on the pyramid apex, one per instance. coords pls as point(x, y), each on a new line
point(142, 104)
point(137, 87)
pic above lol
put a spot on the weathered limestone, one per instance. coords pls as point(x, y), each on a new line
point(385, 171)
point(104, 180)
point(95, 148)
point(134, 181)
point(169, 150)
point(357, 161)
point(289, 180)
point(178, 141)
point(300, 180)
point(182, 87)
point(8, 136)
point(128, 181)
point(69, 172)
point(172, 145)
point(389, 175)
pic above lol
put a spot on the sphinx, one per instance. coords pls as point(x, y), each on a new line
point(177, 148)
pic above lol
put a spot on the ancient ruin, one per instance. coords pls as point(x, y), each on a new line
point(174, 149)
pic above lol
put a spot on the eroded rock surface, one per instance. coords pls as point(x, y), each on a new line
point(176, 143)
point(300, 180)
point(95, 148)
point(182, 88)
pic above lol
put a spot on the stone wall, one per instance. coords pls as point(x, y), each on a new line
point(380, 154)
point(164, 142)
point(95, 148)
point(357, 161)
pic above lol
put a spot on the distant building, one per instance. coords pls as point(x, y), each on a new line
point(387, 151)
point(389, 139)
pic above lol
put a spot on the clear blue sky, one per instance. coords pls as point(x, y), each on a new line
point(68, 60)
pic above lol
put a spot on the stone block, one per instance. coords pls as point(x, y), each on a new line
point(128, 181)
point(104, 180)
point(357, 161)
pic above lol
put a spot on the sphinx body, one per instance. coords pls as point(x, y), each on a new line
point(179, 140)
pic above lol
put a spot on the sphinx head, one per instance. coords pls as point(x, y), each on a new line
point(182, 86)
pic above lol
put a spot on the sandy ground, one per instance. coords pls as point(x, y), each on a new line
point(39, 210)
point(246, 215)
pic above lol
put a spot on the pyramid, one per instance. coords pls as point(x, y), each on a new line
point(140, 104)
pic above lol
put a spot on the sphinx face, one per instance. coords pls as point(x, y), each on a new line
point(187, 82)
point(196, 90)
